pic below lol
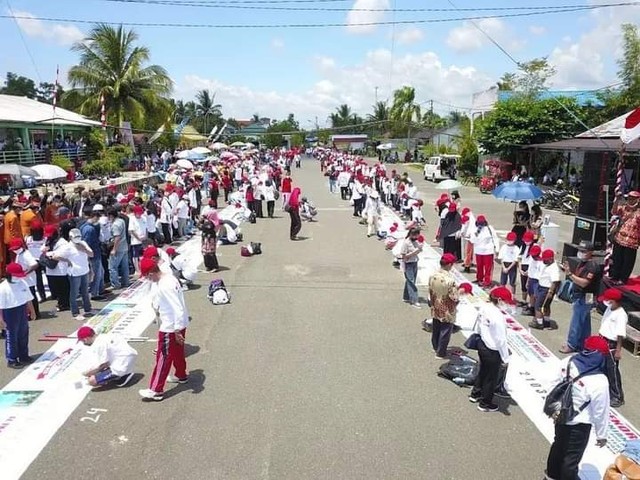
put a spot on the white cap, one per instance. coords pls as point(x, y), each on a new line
point(97, 207)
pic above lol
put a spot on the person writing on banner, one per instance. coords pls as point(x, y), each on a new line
point(16, 308)
point(508, 257)
point(583, 276)
point(485, 245)
point(626, 238)
point(613, 329)
point(114, 358)
point(443, 297)
point(493, 351)
point(171, 311)
point(590, 401)
point(548, 284)
point(411, 248)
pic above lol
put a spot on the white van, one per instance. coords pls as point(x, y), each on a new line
point(440, 167)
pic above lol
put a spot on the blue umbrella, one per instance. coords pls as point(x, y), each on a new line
point(516, 191)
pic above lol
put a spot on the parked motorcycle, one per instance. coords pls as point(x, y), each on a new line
point(570, 204)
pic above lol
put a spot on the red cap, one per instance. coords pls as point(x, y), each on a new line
point(610, 294)
point(481, 218)
point(171, 251)
point(466, 286)
point(169, 187)
point(535, 251)
point(465, 210)
point(15, 244)
point(138, 210)
point(15, 270)
point(453, 207)
point(528, 236)
point(49, 230)
point(464, 219)
point(448, 259)
point(511, 237)
point(548, 254)
point(444, 196)
point(85, 332)
point(596, 343)
point(634, 194)
point(502, 293)
point(124, 200)
point(150, 251)
point(393, 228)
point(420, 239)
point(146, 264)
point(440, 201)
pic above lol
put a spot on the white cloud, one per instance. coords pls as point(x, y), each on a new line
point(409, 36)
point(468, 38)
point(537, 30)
point(354, 85)
point(356, 18)
point(277, 44)
point(583, 62)
point(59, 33)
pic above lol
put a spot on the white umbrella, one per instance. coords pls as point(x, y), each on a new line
point(386, 146)
point(184, 163)
point(201, 150)
point(49, 172)
point(218, 146)
point(17, 170)
point(238, 144)
point(183, 154)
point(449, 185)
point(228, 155)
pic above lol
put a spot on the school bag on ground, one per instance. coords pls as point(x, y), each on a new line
point(461, 370)
point(559, 403)
point(218, 294)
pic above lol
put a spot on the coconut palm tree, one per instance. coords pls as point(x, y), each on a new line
point(405, 111)
point(205, 107)
point(342, 117)
point(111, 64)
point(380, 113)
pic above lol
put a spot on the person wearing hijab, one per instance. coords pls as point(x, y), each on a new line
point(294, 214)
point(590, 402)
point(450, 232)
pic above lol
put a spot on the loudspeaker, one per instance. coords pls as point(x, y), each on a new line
point(598, 170)
point(592, 230)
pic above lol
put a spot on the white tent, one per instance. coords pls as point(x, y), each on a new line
point(25, 110)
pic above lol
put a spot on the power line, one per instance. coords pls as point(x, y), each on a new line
point(24, 42)
point(312, 25)
point(270, 6)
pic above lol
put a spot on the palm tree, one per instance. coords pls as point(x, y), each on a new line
point(405, 110)
point(380, 113)
point(111, 64)
point(205, 107)
point(342, 117)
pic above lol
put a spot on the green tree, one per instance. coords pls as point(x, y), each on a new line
point(342, 117)
point(274, 136)
point(18, 85)
point(111, 64)
point(207, 111)
point(380, 113)
point(531, 78)
point(404, 112)
point(468, 149)
point(523, 120)
point(507, 82)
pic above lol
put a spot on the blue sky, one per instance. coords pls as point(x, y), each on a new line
point(311, 71)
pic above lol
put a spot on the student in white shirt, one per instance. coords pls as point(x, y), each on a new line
point(613, 329)
point(182, 213)
point(508, 257)
point(114, 359)
point(171, 311)
point(485, 244)
point(15, 311)
point(548, 284)
point(492, 348)
point(535, 266)
point(524, 261)
point(591, 401)
point(25, 259)
point(76, 254)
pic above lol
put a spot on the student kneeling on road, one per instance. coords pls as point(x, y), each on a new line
point(114, 358)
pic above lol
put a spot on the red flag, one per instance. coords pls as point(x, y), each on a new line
point(631, 130)
point(55, 90)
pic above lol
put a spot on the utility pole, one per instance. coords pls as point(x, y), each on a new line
point(376, 89)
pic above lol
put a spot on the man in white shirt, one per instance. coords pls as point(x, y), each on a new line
point(182, 268)
point(27, 261)
point(614, 330)
point(548, 284)
point(171, 312)
point(591, 401)
point(138, 233)
point(114, 359)
point(15, 310)
point(182, 213)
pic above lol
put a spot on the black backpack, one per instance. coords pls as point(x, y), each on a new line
point(559, 402)
point(461, 370)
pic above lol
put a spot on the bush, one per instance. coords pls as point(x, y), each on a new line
point(61, 161)
point(102, 167)
point(95, 143)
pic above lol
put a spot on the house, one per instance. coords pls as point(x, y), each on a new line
point(253, 131)
point(349, 141)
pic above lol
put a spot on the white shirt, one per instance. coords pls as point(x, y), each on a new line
point(182, 264)
point(61, 268)
point(485, 241)
point(182, 209)
point(509, 253)
point(151, 223)
point(139, 227)
point(525, 258)
point(166, 210)
point(549, 275)
point(493, 329)
point(114, 350)
point(168, 302)
point(27, 261)
point(14, 294)
point(614, 323)
point(590, 387)
point(34, 246)
point(535, 267)
point(78, 258)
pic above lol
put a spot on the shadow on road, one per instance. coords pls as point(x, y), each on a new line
point(190, 349)
point(195, 384)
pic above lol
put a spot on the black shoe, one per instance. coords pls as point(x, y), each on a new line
point(549, 326)
point(474, 399)
point(502, 393)
point(616, 403)
point(535, 325)
point(14, 364)
point(99, 298)
point(3, 334)
point(467, 270)
point(528, 312)
point(27, 360)
point(487, 407)
point(124, 380)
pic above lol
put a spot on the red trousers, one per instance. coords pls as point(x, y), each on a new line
point(484, 269)
point(467, 253)
point(170, 353)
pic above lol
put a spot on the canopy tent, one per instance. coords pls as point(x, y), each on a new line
point(190, 135)
point(15, 109)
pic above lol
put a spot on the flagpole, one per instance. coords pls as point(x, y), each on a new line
point(55, 103)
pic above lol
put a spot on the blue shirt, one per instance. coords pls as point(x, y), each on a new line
point(91, 235)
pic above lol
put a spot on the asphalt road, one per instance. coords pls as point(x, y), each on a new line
point(316, 370)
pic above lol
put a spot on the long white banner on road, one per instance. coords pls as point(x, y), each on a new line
point(532, 369)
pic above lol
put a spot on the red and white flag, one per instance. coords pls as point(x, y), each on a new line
point(55, 90)
point(631, 129)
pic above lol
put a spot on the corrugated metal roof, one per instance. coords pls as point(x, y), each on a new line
point(593, 144)
point(610, 129)
point(25, 110)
